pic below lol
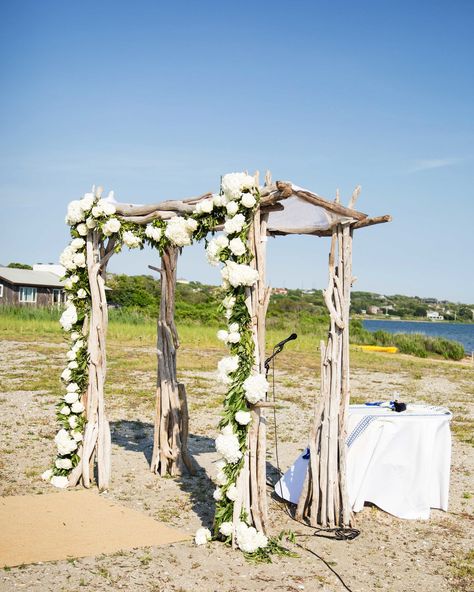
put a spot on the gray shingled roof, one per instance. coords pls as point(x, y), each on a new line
point(28, 277)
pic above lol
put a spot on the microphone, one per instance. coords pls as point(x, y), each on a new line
point(292, 337)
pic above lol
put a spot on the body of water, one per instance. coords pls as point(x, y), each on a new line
point(464, 333)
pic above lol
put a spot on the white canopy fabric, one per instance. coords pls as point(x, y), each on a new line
point(298, 214)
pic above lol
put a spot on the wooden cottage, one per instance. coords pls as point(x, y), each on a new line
point(27, 287)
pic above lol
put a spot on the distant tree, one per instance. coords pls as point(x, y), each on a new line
point(19, 266)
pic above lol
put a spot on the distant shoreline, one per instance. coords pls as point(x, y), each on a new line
point(402, 320)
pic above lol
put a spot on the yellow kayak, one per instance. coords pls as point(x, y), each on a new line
point(380, 348)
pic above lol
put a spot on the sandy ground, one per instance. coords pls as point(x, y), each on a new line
point(390, 554)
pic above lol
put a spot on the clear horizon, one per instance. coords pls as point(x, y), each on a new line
point(158, 101)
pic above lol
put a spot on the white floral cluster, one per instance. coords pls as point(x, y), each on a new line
point(255, 388)
point(228, 446)
point(249, 540)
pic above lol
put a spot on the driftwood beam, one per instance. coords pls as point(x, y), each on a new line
point(372, 221)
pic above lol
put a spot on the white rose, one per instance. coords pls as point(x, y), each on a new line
point(178, 232)
point(79, 259)
point(227, 445)
point(66, 374)
point(77, 407)
point(222, 335)
point(233, 327)
point(87, 201)
point(226, 528)
point(191, 224)
point(229, 302)
point(255, 388)
point(72, 387)
point(46, 476)
point(248, 200)
point(75, 213)
point(77, 243)
point(69, 317)
point(64, 443)
point(91, 223)
point(81, 293)
point(233, 337)
point(111, 226)
point(243, 417)
point(153, 232)
point(239, 274)
point(232, 208)
point(234, 183)
point(65, 410)
point(63, 463)
point(77, 436)
point(226, 366)
point(79, 343)
point(231, 493)
point(202, 536)
point(75, 335)
point(72, 421)
point(71, 354)
point(222, 241)
point(61, 482)
point(219, 200)
point(82, 229)
point(237, 247)
point(207, 205)
point(72, 365)
point(131, 240)
point(235, 224)
point(217, 495)
point(221, 478)
point(71, 398)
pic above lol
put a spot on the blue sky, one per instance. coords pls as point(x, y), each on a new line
point(156, 100)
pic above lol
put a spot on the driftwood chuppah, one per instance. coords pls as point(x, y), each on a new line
point(283, 209)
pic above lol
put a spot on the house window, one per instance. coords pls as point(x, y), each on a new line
point(1, 290)
point(27, 294)
point(56, 296)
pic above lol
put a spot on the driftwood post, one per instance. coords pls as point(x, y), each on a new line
point(96, 446)
point(324, 500)
point(170, 449)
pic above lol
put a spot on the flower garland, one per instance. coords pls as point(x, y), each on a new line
point(235, 205)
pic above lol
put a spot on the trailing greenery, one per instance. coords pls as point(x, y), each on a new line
point(415, 344)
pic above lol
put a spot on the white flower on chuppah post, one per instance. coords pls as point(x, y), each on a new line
point(217, 495)
point(65, 410)
point(91, 223)
point(231, 493)
point(63, 463)
point(71, 397)
point(75, 213)
point(226, 366)
point(239, 274)
point(227, 445)
point(243, 417)
point(153, 232)
point(237, 247)
point(219, 200)
point(66, 374)
point(82, 229)
point(69, 317)
point(87, 202)
point(235, 224)
point(249, 539)
point(46, 476)
point(233, 184)
point(221, 478)
point(64, 443)
point(59, 481)
point(112, 226)
point(77, 407)
point(232, 208)
point(73, 387)
point(77, 243)
point(178, 231)
point(248, 200)
point(81, 293)
point(77, 436)
point(255, 387)
point(226, 528)
point(202, 536)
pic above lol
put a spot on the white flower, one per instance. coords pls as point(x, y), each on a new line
point(228, 313)
point(217, 495)
point(77, 243)
point(178, 231)
point(91, 223)
point(239, 274)
point(46, 476)
point(202, 536)
point(243, 417)
point(248, 200)
point(75, 213)
point(71, 354)
point(72, 387)
point(72, 365)
point(219, 200)
point(71, 397)
point(87, 201)
point(215, 247)
point(65, 410)
point(233, 337)
point(79, 259)
point(222, 335)
point(60, 482)
point(66, 374)
point(77, 407)
point(63, 463)
point(68, 284)
point(233, 327)
point(77, 436)
point(79, 343)
point(66, 257)
point(231, 493)
point(153, 232)
point(72, 421)
point(237, 246)
point(82, 229)
point(226, 366)
point(222, 241)
point(226, 528)
point(111, 226)
point(131, 240)
point(69, 317)
point(103, 208)
point(255, 388)
point(227, 445)
point(75, 335)
point(232, 208)
point(229, 302)
point(235, 224)
point(81, 293)
point(234, 183)
point(249, 539)
point(221, 478)
point(64, 443)
point(207, 205)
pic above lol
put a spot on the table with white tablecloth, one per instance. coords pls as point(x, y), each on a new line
point(398, 461)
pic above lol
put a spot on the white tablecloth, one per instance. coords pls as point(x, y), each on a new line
point(398, 461)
